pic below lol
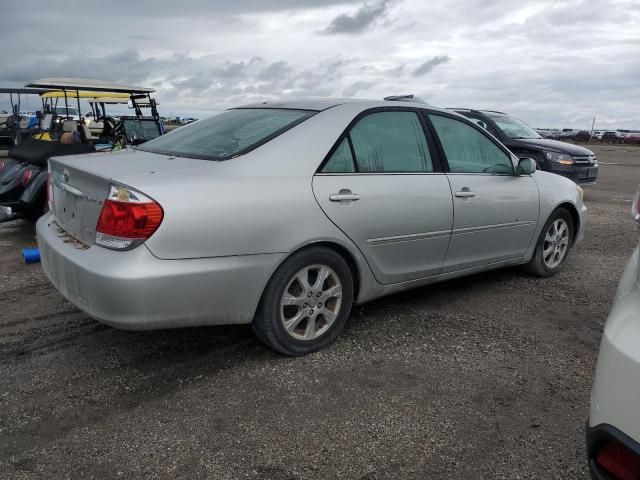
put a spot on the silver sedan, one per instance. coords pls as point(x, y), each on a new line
point(285, 214)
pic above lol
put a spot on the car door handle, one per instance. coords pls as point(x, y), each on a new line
point(465, 193)
point(344, 196)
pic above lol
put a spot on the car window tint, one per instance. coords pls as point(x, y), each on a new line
point(391, 142)
point(227, 134)
point(468, 150)
point(341, 161)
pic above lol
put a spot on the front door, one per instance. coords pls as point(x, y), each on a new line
point(380, 187)
point(495, 211)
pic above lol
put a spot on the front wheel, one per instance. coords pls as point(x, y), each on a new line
point(554, 245)
point(306, 302)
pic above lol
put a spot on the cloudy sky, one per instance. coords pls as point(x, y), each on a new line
point(551, 63)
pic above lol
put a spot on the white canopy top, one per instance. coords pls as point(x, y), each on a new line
point(85, 84)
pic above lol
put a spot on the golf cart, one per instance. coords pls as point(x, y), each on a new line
point(11, 129)
point(24, 177)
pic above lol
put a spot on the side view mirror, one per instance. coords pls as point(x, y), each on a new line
point(526, 166)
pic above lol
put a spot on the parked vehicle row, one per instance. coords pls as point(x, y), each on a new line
point(12, 127)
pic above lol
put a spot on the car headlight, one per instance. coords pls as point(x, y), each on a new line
point(561, 158)
point(580, 192)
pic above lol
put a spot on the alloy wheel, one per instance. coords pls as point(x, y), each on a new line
point(556, 243)
point(311, 302)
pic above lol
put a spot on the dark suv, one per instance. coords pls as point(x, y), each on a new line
point(575, 162)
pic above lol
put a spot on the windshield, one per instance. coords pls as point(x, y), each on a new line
point(229, 134)
point(61, 111)
point(139, 130)
point(514, 128)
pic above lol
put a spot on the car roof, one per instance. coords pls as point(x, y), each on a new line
point(320, 104)
point(86, 84)
point(475, 110)
point(315, 104)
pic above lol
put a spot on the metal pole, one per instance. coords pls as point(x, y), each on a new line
point(593, 124)
point(78, 102)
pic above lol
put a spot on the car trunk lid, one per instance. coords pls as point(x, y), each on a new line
point(80, 185)
point(77, 198)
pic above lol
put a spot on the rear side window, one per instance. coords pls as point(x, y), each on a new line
point(468, 150)
point(227, 134)
point(383, 142)
point(341, 161)
point(391, 142)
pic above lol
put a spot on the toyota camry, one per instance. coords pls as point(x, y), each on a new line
point(286, 214)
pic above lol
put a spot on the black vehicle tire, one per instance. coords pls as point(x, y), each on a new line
point(36, 213)
point(552, 251)
point(296, 319)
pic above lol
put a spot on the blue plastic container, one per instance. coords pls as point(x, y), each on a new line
point(31, 255)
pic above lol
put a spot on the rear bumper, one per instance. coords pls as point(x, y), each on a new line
point(135, 290)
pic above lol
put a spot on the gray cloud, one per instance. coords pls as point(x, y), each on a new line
point(430, 64)
point(549, 62)
point(362, 18)
point(358, 86)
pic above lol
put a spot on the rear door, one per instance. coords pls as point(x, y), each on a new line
point(383, 186)
point(495, 211)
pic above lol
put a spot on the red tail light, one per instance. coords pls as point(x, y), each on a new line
point(26, 177)
point(618, 461)
point(127, 219)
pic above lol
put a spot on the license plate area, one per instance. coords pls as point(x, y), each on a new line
point(65, 209)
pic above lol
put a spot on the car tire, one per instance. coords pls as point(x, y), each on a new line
point(553, 245)
point(306, 302)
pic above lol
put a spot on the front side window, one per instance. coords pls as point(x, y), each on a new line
point(226, 135)
point(391, 142)
point(469, 151)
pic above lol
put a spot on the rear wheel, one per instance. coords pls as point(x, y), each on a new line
point(554, 244)
point(306, 303)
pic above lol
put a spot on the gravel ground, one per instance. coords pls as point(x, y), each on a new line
point(483, 377)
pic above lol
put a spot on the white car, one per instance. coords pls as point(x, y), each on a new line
point(613, 431)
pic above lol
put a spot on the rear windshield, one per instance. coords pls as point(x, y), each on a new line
point(226, 135)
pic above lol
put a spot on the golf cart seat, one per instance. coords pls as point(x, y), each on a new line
point(93, 131)
point(38, 152)
point(69, 126)
point(96, 127)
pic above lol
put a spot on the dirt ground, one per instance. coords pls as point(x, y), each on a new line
point(486, 377)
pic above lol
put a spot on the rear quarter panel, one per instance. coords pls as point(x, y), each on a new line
point(261, 202)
